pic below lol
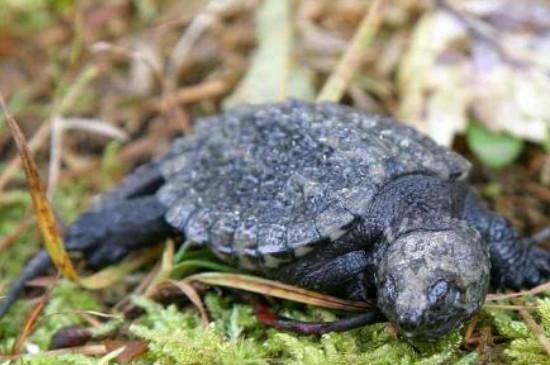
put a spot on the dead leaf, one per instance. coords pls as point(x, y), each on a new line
point(193, 297)
point(132, 349)
point(479, 59)
point(44, 213)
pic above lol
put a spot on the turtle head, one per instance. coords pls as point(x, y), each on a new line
point(430, 281)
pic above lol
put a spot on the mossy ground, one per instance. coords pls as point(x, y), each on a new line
point(176, 335)
point(45, 46)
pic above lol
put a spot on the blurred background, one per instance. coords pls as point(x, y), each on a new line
point(100, 86)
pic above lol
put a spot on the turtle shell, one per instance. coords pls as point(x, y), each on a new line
point(261, 185)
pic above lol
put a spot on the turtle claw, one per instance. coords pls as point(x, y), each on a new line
point(537, 267)
point(541, 259)
point(531, 270)
point(540, 237)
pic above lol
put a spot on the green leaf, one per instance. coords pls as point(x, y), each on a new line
point(493, 149)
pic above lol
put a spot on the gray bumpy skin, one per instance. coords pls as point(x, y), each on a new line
point(325, 197)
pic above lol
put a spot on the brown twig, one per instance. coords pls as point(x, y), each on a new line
point(192, 94)
point(468, 335)
point(338, 81)
point(536, 290)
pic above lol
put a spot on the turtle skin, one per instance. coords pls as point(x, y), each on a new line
point(325, 197)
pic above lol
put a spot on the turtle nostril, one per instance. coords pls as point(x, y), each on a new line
point(410, 323)
point(408, 326)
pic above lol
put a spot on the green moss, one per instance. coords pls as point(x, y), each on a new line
point(177, 337)
point(543, 310)
point(526, 352)
point(507, 325)
point(236, 337)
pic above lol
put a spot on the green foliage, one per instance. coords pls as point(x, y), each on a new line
point(493, 149)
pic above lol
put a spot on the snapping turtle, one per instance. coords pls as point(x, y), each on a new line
point(325, 197)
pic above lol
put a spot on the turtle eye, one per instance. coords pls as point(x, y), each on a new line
point(438, 291)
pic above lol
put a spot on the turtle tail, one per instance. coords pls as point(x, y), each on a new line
point(37, 266)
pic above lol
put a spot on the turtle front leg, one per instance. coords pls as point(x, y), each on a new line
point(127, 217)
point(105, 236)
point(516, 262)
point(340, 276)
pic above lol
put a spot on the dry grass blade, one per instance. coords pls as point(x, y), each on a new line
point(191, 94)
point(167, 262)
point(166, 265)
point(194, 297)
point(96, 126)
point(65, 103)
point(103, 46)
point(276, 289)
point(44, 213)
point(509, 307)
point(112, 274)
point(338, 81)
point(536, 290)
point(29, 324)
